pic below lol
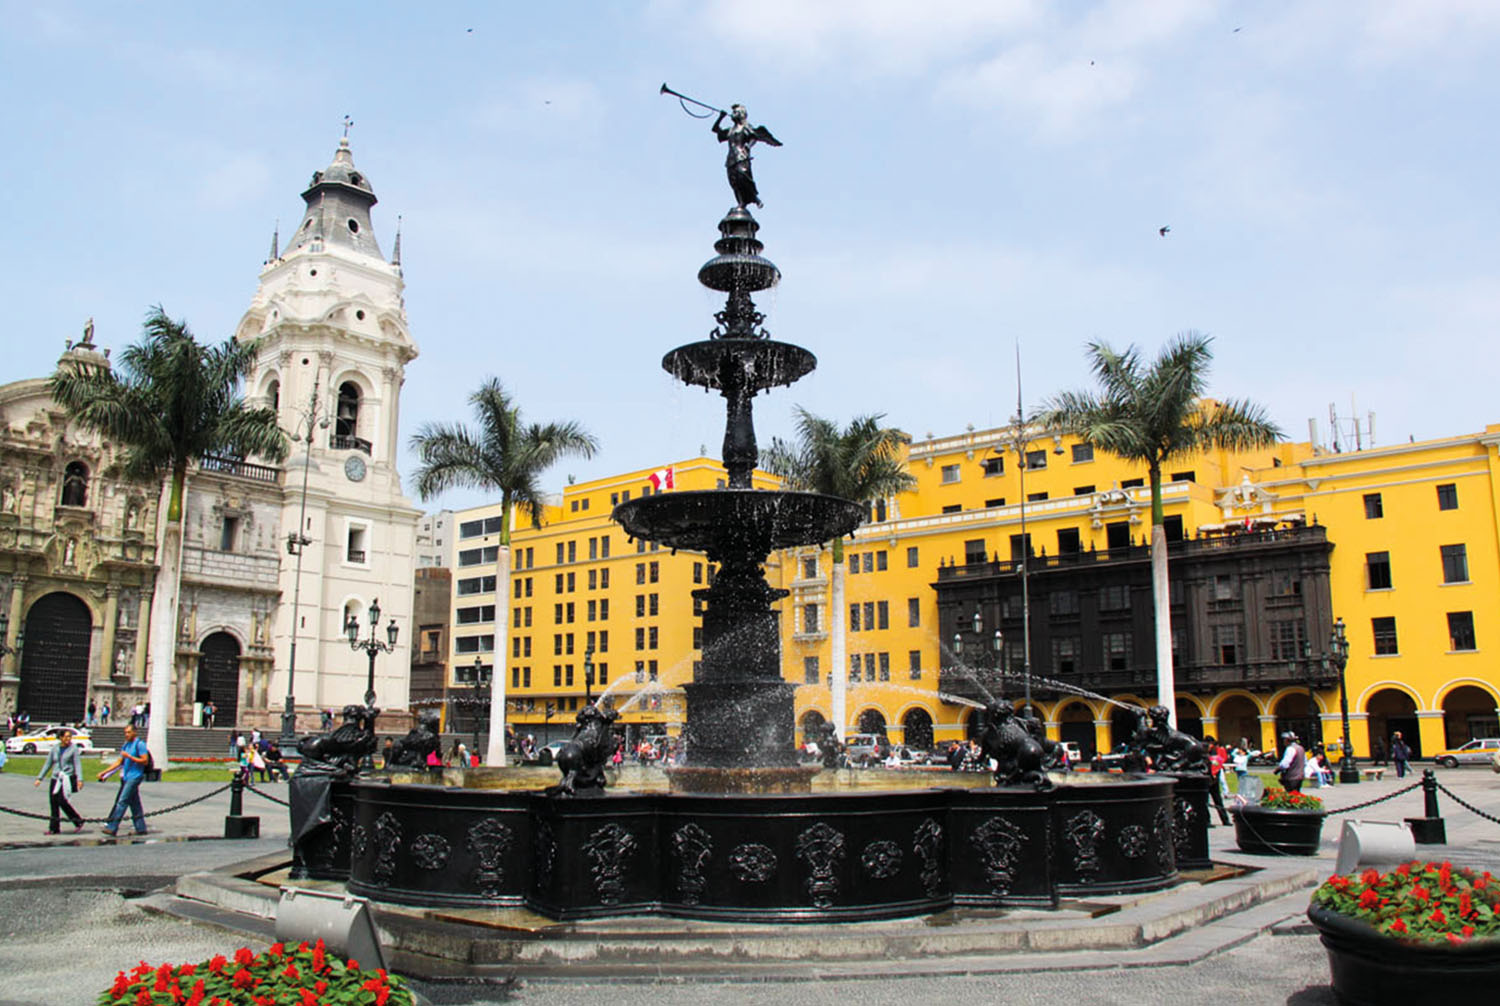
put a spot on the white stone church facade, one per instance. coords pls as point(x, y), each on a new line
point(333, 345)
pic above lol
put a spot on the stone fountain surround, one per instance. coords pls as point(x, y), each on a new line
point(726, 846)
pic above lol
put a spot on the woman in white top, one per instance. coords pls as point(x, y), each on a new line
point(66, 777)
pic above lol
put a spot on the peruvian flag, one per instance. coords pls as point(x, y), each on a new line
point(661, 480)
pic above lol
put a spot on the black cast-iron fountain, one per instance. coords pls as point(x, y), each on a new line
point(740, 835)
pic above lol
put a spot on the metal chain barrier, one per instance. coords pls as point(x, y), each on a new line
point(105, 820)
point(267, 796)
point(1466, 805)
point(1379, 799)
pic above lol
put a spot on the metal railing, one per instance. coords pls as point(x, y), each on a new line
point(239, 468)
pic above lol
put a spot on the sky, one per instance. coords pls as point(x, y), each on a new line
point(959, 178)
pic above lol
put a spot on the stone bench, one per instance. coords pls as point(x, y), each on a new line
point(1373, 773)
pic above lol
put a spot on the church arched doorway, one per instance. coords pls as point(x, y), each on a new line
point(55, 663)
point(916, 729)
point(1468, 714)
point(1392, 711)
point(813, 725)
point(219, 677)
point(1075, 723)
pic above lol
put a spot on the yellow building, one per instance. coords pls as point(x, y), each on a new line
point(580, 587)
point(1269, 546)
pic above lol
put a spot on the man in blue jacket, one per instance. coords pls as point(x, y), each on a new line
point(132, 765)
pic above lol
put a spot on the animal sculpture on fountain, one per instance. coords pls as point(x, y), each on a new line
point(1171, 750)
point(1017, 755)
point(1052, 751)
point(345, 747)
point(583, 758)
point(420, 741)
point(336, 756)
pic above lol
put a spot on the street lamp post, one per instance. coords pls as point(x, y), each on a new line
point(476, 677)
point(296, 541)
point(371, 646)
point(588, 675)
point(1338, 654)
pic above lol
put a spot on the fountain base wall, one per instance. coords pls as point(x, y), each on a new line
point(761, 858)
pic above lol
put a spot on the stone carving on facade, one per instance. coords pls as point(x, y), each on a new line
point(1184, 821)
point(752, 862)
point(609, 850)
point(359, 842)
point(821, 847)
point(692, 848)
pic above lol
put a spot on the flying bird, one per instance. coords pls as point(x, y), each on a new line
point(1163, 231)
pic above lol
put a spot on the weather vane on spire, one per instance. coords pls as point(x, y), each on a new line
point(740, 136)
point(348, 122)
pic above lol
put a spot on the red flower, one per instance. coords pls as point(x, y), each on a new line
point(1437, 917)
point(1404, 869)
point(1398, 926)
point(142, 998)
point(1370, 876)
point(121, 984)
point(1468, 930)
point(243, 979)
point(276, 949)
point(1369, 899)
point(243, 956)
point(216, 963)
point(187, 969)
point(1420, 893)
point(320, 986)
point(1465, 904)
point(197, 996)
point(1453, 939)
point(291, 972)
point(308, 998)
point(352, 964)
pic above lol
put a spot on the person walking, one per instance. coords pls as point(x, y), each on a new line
point(88, 720)
point(208, 714)
point(132, 767)
point(1217, 758)
point(1293, 765)
point(1400, 754)
point(104, 713)
point(63, 770)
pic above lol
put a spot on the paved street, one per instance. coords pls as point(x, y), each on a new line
point(60, 889)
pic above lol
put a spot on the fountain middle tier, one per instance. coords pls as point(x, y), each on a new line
point(748, 523)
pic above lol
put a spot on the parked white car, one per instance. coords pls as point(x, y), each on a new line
point(1476, 752)
point(40, 740)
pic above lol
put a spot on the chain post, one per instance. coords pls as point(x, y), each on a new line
point(236, 824)
point(1429, 829)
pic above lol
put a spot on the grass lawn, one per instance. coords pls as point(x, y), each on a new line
point(207, 772)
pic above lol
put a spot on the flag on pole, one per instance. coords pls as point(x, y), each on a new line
point(661, 480)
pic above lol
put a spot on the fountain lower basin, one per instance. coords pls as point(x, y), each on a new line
point(815, 856)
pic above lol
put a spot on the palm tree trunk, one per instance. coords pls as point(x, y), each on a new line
point(1161, 597)
point(163, 631)
point(494, 750)
point(837, 658)
point(1161, 600)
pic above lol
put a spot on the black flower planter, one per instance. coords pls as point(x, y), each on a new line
point(1278, 832)
point(1370, 968)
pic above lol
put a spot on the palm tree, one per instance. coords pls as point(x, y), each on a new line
point(1152, 414)
point(862, 462)
point(506, 456)
point(177, 401)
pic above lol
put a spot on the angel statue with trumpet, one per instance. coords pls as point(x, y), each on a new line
point(740, 136)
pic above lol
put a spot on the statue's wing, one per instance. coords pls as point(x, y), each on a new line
point(764, 135)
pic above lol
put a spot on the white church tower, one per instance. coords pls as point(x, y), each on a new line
point(334, 345)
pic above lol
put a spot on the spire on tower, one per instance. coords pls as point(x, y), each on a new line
point(275, 243)
point(396, 256)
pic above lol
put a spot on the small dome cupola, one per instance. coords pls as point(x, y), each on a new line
point(338, 208)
